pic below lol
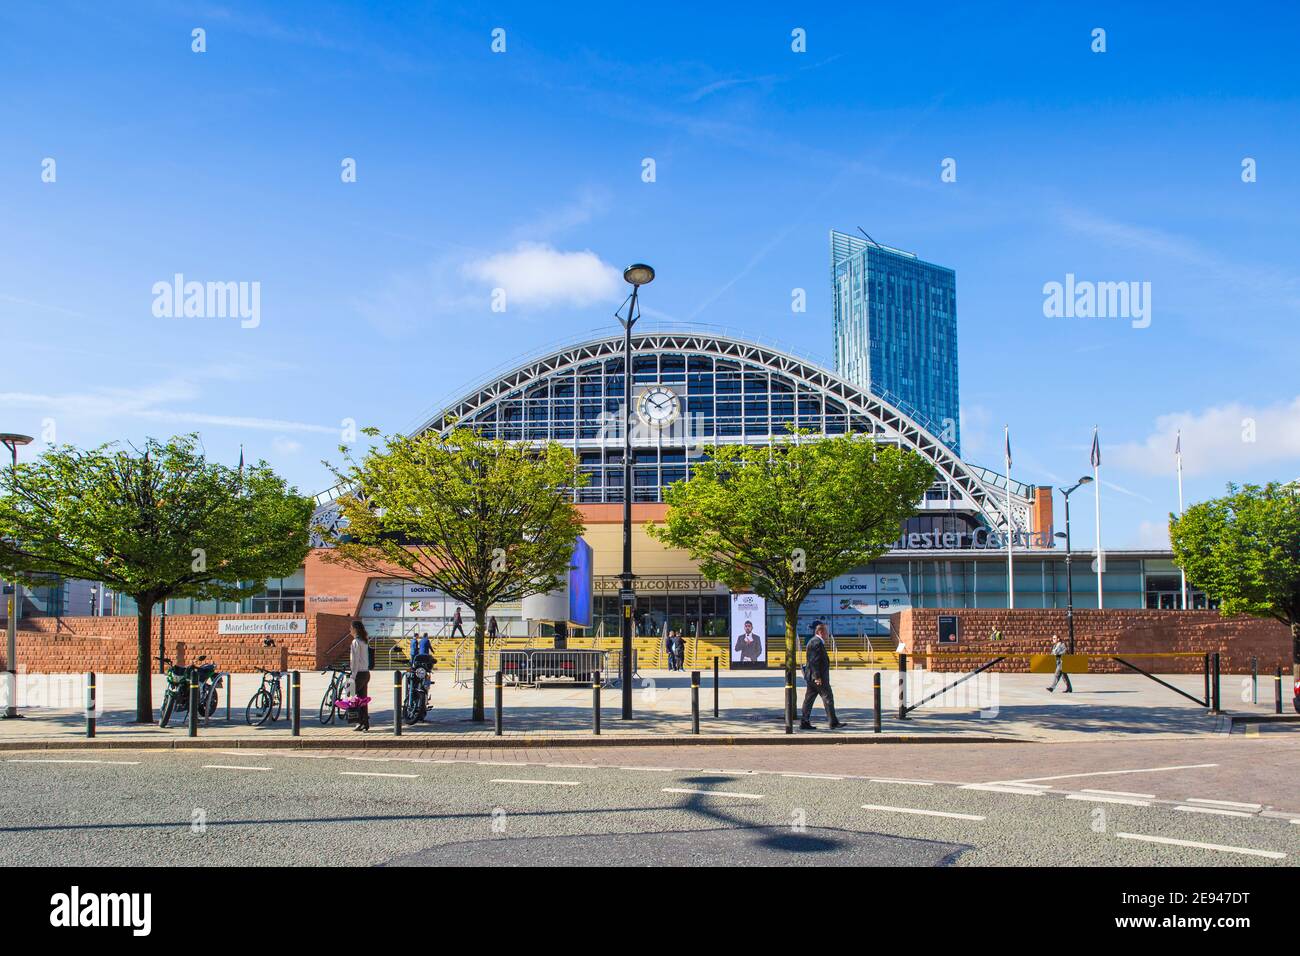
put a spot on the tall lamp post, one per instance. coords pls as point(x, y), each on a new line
point(636, 275)
point(12, 442)
point(1069, 577)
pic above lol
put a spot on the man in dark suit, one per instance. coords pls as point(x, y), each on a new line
point(817, 674)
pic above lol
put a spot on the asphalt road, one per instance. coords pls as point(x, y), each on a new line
point(1156, 803)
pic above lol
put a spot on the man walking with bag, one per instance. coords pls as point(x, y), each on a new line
point(1058, 650)
point(817, 675)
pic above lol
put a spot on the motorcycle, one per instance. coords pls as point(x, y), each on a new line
point(176, 698)
point(415, 703)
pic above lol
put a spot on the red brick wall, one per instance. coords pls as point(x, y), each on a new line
point(108, 644)
point(1116, 631)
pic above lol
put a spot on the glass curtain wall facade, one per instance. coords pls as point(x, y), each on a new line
point(895, 330)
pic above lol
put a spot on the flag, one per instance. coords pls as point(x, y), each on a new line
point(1007, 433)
point(1096, 449)
point(1178, 445)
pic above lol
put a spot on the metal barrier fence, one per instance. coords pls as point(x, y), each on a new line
point(533, 667)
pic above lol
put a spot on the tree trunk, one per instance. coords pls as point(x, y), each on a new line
point(480, 625)
point(143, 668)
point(791, 645)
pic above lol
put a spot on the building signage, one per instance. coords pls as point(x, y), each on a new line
point(297, 625)
point(329, 599)
point(691, 583)
point(981, 539)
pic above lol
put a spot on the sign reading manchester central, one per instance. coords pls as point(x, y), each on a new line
point(981, 539)
point(296, 625)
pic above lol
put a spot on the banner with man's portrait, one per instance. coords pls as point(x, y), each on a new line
point(748, 631)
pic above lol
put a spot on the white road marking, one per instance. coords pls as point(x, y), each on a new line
point(241, 753)
point(652, 769)
point(1099, 798)
point(363, 773)
point(1214, 810)
point(553, 783)
point(125, 763)
point(910, 783)
point(222, 766)
point(924, 813)
point(1230, 804)
point(1268, 854)
point(714, 793)
point(1002, 788)
point(1121, 793)
point(1108, 773)
point(813, 776)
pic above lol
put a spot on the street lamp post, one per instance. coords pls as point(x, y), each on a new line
point(12, 442)
point(636, 275)
point(1069, 576)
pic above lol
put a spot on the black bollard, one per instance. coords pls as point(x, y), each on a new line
point(194, 702)
point(875, 694)
point(595, 703)
point(1207, 678)
point(498, 703)
point(695, 702)
point(715, 685)
point(789, 706)
point(90, 704)
point(902, 687)
point(1214, 701)
point(1277, 680)
point(397, 703)
point(295, 705)
point(1254, 680)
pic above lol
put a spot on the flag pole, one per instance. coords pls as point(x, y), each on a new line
point(1096, 490)
point(1011, 525)
point(1178, 455)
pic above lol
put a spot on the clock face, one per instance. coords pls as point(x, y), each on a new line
point(657, 406)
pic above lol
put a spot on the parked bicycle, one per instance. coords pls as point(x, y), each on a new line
point(266, 700)
point(176, 698)
point(333, 692)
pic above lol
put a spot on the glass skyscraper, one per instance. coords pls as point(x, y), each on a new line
point(895, 329)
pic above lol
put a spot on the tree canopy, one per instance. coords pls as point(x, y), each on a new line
point(1244, 550)
point(784, 519)
point(153, 523)
point(483, 520)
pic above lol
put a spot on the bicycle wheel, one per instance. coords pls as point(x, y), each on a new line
point(327, 707)
point(169, 703)
point(276, 699)
point(259, 708)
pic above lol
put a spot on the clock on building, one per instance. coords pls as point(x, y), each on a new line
point(658, 406)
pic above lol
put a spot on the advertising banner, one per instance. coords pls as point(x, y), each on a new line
point(748, 631)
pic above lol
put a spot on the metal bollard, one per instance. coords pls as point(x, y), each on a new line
point(875, 694)
point(595, 703)
point(90, 704)
point(194, 704)
point(295, 705)
point(1214, 701)
point(1277, 680)
point(228, 682)
point(715, 685)
point(1207, 679)
point(789, 706)
point(397, 703)
point(695, 702)
point(902, 687)
point(1254, 680)
point(499, 695)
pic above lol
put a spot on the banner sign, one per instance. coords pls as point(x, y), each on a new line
point(748, 631)
point(243, 626)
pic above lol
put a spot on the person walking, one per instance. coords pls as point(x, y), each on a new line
point(359, 664)
point(492, 628)
point(817, 676)
point(456, 624)
point(1058, 650)
point(679, 650)
point(670, 648)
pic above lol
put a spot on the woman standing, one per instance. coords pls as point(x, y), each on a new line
point(359, 664)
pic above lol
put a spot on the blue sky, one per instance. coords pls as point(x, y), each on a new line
point(376, 295)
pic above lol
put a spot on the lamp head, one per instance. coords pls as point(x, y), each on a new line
point(638, 274)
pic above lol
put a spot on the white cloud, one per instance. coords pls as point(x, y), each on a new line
point(1153, 535)
point(537, 275)
point(1235, 440)
point(286, 446)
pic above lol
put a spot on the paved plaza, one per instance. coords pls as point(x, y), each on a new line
point(1015, 707)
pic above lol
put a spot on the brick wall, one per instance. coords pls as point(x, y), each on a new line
point(1117, 631)
point(108, 644)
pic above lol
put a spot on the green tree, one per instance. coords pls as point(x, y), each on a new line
point(786, 518)
point(484, 521)
point(154, 523)
point(1244, 549)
